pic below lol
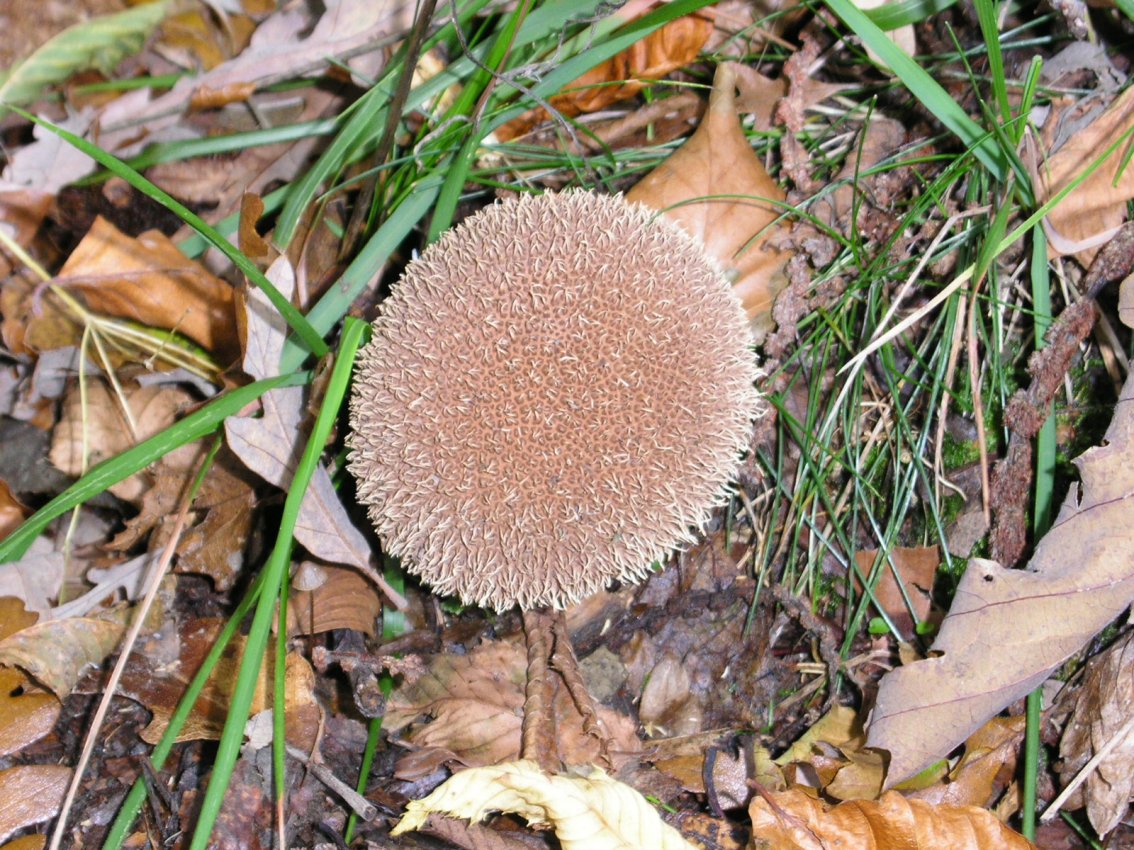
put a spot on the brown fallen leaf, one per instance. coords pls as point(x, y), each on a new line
point(215, 546)
point(344, 600)
point(1097, 207)
point(30, 794)
point(904, 585)
point(57, 653)
point(476, 703)
point(148, 280)
point(1008, 630)
point(158, 674)
point(26, 715)
point(12, 511)
point(717, 189)
point(103, 430)
point(1102, 718)
point(984, 769)
point(663, 51)
point(792, 820)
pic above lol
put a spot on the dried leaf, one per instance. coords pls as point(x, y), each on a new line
point(734, 221)
point(984, 769)
point(663, 51)
point(107, 432)
point(148, 280)
point(345, 600)
point(25, 715)
point(1088, 217)
point(476, 703)
point(907, 573)
point(791, 820)
point(158, 674)
point(903, 36)
point(12, 511)
point(270, 445)
point(30, 794)
point(668, 705)
point(1102, 715)
point(1009, 629)
point(588, 812)
point(14, 616)
point(215, 546)
point(57, 653)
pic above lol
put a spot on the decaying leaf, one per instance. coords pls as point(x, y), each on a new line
point(663, 51)
point(983, 770)
point(101, 428)
point(904, 584)
point(344, 600)
point(588, 811)
point(1090, 215)
point(158, 674)
point(792, 820)
point(476, 703)
point(215, 545)
point(57, 653)
point(148, 280)
point(1008, 629)
point(30, 794)
point(717, 189)
point(12, 512)
point(270, 444)
point(1102, 718)
point(26, 715)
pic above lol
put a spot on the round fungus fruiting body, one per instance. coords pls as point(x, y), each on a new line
point(555, 396)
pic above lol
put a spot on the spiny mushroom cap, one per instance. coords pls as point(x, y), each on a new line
point(556, 395)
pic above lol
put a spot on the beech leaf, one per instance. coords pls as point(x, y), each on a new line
point(792, 820)
point(58, 652)
point(1009, 629)
point(717, 189)
point(588, 811)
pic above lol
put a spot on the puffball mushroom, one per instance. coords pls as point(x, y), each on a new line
point(555, 396)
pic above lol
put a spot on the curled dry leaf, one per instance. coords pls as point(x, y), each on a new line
point(663, 51)
point(57, 653)
point(984, 769)
point(717, 189)
point(588, 811)
point(148, 280)
point(1090, 215)
point(12, 511)
point(792, 820)
point(1009, 629)
point(30, 794)
point(102, 428)
point(344, 600)
point(1102, 718)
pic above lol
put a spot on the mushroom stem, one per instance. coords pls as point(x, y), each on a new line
point(538, 731)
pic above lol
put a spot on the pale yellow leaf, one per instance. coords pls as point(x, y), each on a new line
point(589, 811)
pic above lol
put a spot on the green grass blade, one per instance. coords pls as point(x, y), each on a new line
point(116, 166)
point(923, 87)
point(99, 43)
point(233, 734)
point(906, 12)
point(120, 829)
point(112, 470)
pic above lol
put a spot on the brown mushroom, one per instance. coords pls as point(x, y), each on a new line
point(555, 397)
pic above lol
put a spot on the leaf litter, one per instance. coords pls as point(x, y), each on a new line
point(689, 665)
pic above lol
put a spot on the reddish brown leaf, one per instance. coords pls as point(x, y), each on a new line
point(663, 51)
point(907, 573)
point(792, 820)
point(12, 511)
point(344, 600)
